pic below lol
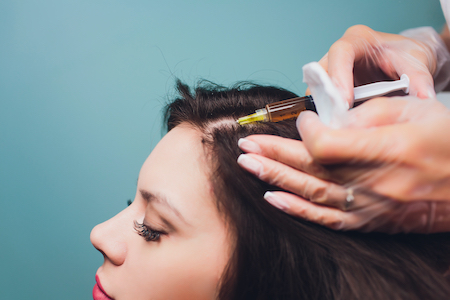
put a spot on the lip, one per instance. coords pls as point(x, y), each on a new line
point(98, 293)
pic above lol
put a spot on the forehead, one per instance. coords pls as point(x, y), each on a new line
point(177, 168)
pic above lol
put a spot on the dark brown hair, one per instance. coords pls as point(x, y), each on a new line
point(277, 256)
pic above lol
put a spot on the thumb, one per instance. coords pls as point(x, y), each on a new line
point(341, 75)
point(332, 146)
point(378, 112)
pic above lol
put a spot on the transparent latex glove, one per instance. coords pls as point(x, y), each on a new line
point(388, 168)
point(363, 56)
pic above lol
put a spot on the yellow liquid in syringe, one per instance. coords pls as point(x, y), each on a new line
point(279, 111)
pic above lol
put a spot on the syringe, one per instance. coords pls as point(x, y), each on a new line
point(291, 108)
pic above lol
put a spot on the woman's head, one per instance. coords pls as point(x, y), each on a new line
point(171, 242)
point(199, 227)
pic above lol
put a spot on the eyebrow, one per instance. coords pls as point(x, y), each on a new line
point(151, 197)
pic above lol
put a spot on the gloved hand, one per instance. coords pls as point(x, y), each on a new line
point(363, 56)
point(388, 166)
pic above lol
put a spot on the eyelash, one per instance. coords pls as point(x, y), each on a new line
point(149, 234)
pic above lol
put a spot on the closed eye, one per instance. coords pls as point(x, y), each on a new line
point(149, 234)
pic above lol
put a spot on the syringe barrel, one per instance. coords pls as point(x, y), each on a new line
point(290, 108)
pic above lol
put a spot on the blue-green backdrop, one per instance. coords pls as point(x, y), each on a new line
point(82, 84)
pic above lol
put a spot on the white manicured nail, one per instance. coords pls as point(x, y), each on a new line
point(249, 146)
point(250, 164)
point(431, 94)
point(276, 201)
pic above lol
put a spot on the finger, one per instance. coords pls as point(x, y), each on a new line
point(287, 151)
point(331, 146)
point(297, 182)
point(413, 59)
point(355, 44)
point(341, 59)
point(421, 82)
point(365, 220)
point(301, 208)
point(384, 216)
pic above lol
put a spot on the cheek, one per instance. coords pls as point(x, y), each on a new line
point(179, 269)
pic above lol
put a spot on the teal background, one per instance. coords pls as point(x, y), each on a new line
point(82, 84)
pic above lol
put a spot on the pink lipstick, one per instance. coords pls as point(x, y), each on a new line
point(98, 293)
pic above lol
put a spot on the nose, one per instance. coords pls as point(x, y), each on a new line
point(110, 238)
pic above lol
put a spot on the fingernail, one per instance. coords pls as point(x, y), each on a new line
point(302, 118)
point(249, 146)
point(276, 201)
point(431, 93)
point(250, 164)
point(424, 93)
